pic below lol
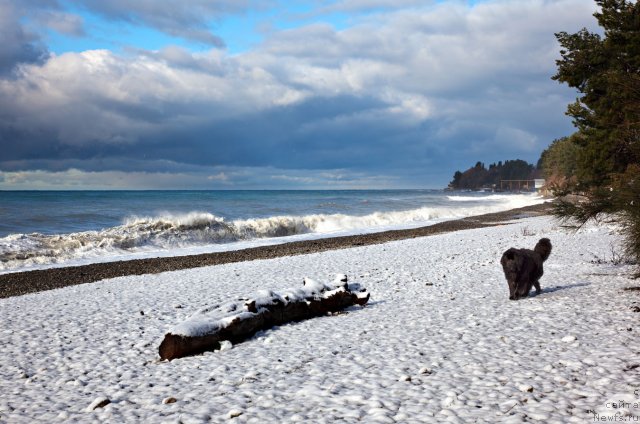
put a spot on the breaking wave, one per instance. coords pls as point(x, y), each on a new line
point(164, 232)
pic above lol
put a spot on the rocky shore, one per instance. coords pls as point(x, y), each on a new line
point(20, 283)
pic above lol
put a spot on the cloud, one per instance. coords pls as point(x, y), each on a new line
point(63, 23)
point(193, 20)
point(74, 179)
point(414, 94)
point(190, 178)
point(221, 176)
point(190, 20)
point(366, 5)
point(17, 44)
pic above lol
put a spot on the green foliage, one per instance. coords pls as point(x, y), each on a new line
point(514, 170)
point(561, 158)
point(479, 176)
point(559, 164)
point(605, 70)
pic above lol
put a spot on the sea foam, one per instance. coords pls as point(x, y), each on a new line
point(175, 231)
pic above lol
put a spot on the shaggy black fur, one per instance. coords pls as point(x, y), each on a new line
point(523, 268)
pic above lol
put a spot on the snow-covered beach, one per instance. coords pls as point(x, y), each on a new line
point(439, 340)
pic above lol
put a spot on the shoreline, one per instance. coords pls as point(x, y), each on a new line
point(25, 282)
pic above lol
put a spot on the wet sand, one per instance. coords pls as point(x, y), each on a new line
point(20, 283)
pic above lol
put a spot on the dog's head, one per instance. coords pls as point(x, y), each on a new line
point(543, 248)
point(511, 262)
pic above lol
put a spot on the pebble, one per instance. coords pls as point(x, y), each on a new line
point(99, 402)
point(234, 413)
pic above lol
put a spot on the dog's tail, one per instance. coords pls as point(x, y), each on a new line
point(543, 248)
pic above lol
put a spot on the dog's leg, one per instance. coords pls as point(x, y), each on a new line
point(537, 286)
point(517, 290)
point(513, 290)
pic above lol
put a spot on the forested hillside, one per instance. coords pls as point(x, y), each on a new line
point(479, 177)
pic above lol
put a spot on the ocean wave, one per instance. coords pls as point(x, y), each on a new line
point(167, 231)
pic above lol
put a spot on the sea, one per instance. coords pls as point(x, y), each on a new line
point(41, 229)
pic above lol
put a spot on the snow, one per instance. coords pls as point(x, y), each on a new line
point(213, 319)
point(439, 340)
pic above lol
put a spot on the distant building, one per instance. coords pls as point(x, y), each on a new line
point(521, 185)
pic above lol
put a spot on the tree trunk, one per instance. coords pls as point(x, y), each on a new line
point(238, 321)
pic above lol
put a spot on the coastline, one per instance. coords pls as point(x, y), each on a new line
point(25, 282)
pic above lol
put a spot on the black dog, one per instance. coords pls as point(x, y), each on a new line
point(523, 268)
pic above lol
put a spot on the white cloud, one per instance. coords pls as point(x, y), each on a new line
point(99, 97)
point(221, 176)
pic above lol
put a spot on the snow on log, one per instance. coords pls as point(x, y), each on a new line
point(239, 320)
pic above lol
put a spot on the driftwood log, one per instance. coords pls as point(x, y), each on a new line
point(237, 321)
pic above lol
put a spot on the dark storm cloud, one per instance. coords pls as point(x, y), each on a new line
point(309, 134)
point(313, 134)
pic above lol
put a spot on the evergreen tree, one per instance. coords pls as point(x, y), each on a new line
point(606, 72)
point(479, 176)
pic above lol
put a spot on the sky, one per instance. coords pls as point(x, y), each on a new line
point(275, 94)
